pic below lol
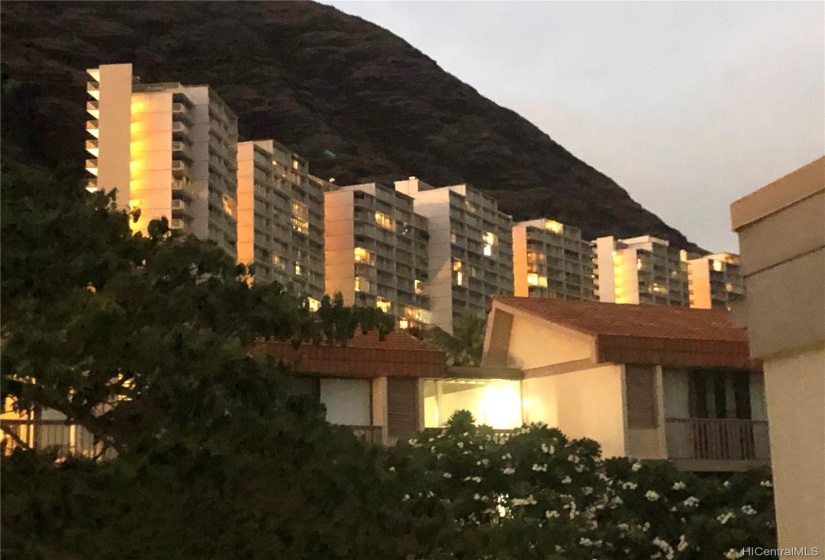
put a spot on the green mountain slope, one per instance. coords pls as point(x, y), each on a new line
point(356, 100)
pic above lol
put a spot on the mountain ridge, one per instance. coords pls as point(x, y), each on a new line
point(358, 102)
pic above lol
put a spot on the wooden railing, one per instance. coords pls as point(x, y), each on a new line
point(717, 439)
point(67, 438)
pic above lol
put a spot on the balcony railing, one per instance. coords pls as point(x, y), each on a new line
point(42, 435)
point(717, 439)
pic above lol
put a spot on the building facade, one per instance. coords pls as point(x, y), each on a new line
point(781, 230)
point(715, 281)
point(170, 150)
point(470, 249)
point(280, 218)
point(376, 251)
point(552, 260)
point(642, 270)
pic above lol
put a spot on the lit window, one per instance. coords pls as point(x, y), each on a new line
point(357, 283)
point(419, 287)
point(314, 304)
point(638, 264)
point(383, 305)
point(453, 238)
point(229, 205)
point(403, 324)
point(459, 278)
point(488, 250)
point(384, 221)
point(297, 269)
point(295, 164)
point(456, 266)
point(489, 238)
point(533, 279)
point(553, 226)
point(362, 255)
point(718, 266)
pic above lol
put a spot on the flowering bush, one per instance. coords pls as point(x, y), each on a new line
point(467, 493)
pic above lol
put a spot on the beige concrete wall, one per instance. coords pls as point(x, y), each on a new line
point(796, 411)
point(586, 403)
point(520, 260)
point(699, 274)
point(339, 244)
point(246, 202)
point(781, 230)
point(114, 137)
point(604, 261)
point(151, 155)
point(535, 343)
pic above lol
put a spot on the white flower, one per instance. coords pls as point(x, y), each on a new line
point(540, 468)
point(508, 470)
point(551, 514)
point(726, 484)
point(652, 496)
point(679, 485)
point(405, 498)
point(623, 526)
point(476, 479)
point(724, 518)
point(573, 458)
point(692, 501)
point(617, 501)
point(506, 456)
point(636, 466)
point(732, 554)
point(391, 469)
point(447, 475)
point(748, 510)
point(645, 527)
point(566, 480)
point(587, 490)
point(766, 484)
point(629, 485)
point(476, 497)
point(580, 468)
point(683, 544)
point(585, 542)
point(460, 444)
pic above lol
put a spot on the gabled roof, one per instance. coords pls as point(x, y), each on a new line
point(364, 356)
point(647, 334)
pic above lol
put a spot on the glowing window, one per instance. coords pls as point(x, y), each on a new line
point(362, 255)
point(718, 266)
point(488, 250)
point(419, 287)
point(459, 278)
point(489, 238)
point(403, 324)
point(314, 304)
point(383, 305)
point(456, 266)
point(384, 221)
point(298, 270)
point(553, 226)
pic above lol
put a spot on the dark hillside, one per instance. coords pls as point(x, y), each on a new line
point(356, 100)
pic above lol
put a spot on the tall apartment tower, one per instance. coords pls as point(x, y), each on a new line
point(470, 249)
point(168, 149)
point(715, 281)
point(376, 251)
point(280, 217)
point(642, 270)
point(552, 260)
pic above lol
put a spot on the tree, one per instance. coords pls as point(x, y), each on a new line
point(464, 347)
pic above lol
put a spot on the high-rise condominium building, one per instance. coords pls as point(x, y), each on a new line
point(642, 270)
point(552, 260)
point(470, 249)
point(168, 149)
point(280, 217)
point(715, 281)
point(376, 251)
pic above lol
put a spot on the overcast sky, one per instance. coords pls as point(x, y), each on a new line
point(687, 105)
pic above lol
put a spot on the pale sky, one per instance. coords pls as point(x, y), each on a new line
point(687, 105)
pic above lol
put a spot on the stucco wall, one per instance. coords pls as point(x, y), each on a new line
point(796, 410)
point(535, 343)
point(586, 403)
point(348, 401)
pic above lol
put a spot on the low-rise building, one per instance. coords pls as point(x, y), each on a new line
point(470, 249)
point(169, 150)
point(642, 270)
point(781, 230)
point(649, 382)
point(715, 281)
point(552, 260)
point(376, 251)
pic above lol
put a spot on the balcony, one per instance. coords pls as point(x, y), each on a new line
point(93, 89)
point(176, 223)
point(64, 437)
point(705, 444)
point(183, 186)
point(180, 128)
point(373, 435)
point(93, 127)
point(91, 166)
point(93, 108)
point(180, 206)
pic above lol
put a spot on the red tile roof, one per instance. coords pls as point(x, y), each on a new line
point(655, 334)
point(364, 356)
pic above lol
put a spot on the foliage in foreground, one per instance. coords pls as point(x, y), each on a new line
point(145, 341)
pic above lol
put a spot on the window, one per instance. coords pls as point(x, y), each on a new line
point(384, 221)
point(553, 226)
point(419, 287)
point(383, 305)
point(640, 383)
point(363, 256)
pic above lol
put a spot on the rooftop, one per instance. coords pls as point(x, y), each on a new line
point(648, 334)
